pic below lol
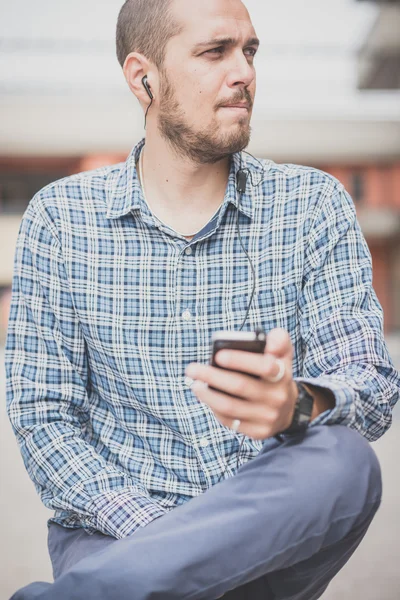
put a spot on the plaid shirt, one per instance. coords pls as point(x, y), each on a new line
point(109, 306)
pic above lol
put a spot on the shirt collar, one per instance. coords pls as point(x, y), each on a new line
point(124, 193)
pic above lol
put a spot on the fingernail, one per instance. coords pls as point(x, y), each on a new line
point(222, 357)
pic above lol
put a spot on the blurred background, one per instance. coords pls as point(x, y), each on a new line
point(328, 96)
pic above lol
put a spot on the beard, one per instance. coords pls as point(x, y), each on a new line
point(200, 146)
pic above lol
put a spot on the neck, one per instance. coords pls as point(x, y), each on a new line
point(177, 187)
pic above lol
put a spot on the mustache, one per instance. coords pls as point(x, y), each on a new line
point(240, 96)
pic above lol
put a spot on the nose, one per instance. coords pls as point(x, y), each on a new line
point(242, 72)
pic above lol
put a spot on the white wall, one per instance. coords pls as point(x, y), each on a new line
point(62, 90)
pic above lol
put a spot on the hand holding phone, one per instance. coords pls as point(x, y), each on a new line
point(247, 341)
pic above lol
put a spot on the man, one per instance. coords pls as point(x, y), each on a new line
point(121, 277)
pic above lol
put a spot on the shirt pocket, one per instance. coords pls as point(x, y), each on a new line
point(270, 308)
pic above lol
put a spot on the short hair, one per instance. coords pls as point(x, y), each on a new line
point(145, 26)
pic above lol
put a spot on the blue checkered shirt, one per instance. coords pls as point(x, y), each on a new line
point(109, 306)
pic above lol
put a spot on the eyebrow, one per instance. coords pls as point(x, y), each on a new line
point(226, 42)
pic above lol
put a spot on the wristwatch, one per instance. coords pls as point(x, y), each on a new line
point(302, 411)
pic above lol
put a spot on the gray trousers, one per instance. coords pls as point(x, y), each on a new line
point(281, 528)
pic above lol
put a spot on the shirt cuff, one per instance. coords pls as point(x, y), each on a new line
point(344, 411)
point(119, 514)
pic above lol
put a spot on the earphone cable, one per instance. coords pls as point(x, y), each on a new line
point(247, 313)
point(145, 116)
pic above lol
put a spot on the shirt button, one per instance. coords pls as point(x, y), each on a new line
point(189, 381)
point(186, 315)
point(188, 251)
point(204, 442)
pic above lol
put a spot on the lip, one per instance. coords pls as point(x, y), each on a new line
point(242, 106)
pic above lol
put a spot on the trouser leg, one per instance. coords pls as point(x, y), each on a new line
point(282, 508)
point(69, 546)
point(309, 579)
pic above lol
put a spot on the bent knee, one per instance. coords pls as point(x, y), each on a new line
point(357, 457)
point(345, 468)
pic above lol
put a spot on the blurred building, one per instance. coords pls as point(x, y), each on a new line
point(375, 190)
point(328, 96)
point(379, 57)
point(379, 69)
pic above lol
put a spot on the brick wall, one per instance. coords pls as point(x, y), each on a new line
point(377, 187)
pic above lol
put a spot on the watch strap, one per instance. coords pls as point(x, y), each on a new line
point(302, 412)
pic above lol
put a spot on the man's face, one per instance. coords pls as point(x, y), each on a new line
point(207, 66)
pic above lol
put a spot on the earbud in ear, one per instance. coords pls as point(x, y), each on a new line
point(147, 87)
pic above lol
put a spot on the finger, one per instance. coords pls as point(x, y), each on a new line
point(232, 383)
point(265, 366)
point(249, 362)
point(279, 343)
point(251, 429)
point(232, 408)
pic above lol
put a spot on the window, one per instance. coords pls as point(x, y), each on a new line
point(17, 189)
point(357, 189)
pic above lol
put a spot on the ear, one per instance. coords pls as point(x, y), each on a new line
point(136, 66)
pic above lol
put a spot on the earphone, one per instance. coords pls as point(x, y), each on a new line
point(150, 95)
point(147, 87)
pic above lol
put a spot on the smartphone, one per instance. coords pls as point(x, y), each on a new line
point(247, 341)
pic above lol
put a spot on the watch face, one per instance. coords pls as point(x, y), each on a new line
point(306, 403)
point(303, 418)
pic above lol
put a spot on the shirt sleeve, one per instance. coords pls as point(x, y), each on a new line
point(341, 323)
point(46, 390)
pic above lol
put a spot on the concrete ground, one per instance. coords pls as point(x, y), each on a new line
point(372, 573)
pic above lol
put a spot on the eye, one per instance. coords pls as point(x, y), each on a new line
point(218, 50)
point(252, 51)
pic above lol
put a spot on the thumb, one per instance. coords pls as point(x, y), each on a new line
point(279, 343)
